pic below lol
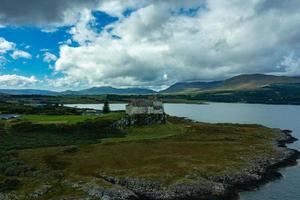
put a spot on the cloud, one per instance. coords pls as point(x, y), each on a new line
point(290, 65)
point(156, 43)
point(49, 57)
point(3, 61)
point(6, 45)
point(45, 13)
point(168, 41)
point(16, 81)
point(20, 54)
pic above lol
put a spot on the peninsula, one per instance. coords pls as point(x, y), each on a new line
point(104, 157)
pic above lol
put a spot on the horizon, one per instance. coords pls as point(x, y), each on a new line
point(138, 87)
point(74, 45)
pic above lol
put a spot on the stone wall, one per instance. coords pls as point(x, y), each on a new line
point(142, 119)
point(137, 110)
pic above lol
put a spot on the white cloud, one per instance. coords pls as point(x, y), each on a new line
point(20, 54)
point(6, 45)
point(49, 57)
point(82, 31)
point(290, 65)
point(159, 43)
point(16, 81)
point(3, 61)
point(117, 8)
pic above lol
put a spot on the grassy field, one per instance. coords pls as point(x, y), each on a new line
point(43, 138)
point(176, 152)
point(164, 152)
point(73, 119)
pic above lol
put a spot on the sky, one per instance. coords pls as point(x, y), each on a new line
point(76, 44)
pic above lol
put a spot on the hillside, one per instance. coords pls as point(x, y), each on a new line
point(27, 92)
point(241, 82)
point(109, 90)
point(89, 91)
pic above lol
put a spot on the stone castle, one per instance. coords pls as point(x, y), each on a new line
point(145, 106)
point(143, 112)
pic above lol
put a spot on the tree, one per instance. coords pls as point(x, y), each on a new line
point(106, 108)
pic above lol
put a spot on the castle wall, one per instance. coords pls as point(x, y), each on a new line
point(135, 110)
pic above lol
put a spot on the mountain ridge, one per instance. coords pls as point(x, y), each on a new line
point(236, 83)
point(240, 82)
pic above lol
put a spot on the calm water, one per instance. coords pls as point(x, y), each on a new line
point(275, 116)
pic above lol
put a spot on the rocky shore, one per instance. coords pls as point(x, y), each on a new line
point(100, 185)
point(226, 187)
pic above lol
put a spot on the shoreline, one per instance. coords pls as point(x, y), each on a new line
point(269, 172)
point(227, 187)
point(260, 169)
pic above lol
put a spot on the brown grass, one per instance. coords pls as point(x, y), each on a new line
point(168, 153)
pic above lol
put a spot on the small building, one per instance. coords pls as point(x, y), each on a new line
point(8, 116)
point(145, 106)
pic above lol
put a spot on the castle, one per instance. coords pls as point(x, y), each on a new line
point(145, 106)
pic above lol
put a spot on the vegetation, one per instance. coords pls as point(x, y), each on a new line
point(273, 94)
point(33, 132)
point(106, 108)
point(175, 152)
point(18, 107)
point(72, 119)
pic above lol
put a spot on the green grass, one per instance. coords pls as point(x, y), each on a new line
point(167, 153)
point(176, 152)
point(43, 138)
point(73, 119)
point(148, 133)
point(70, 119)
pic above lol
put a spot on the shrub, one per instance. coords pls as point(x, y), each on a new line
point(9, 184)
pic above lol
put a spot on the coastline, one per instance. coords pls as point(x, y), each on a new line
point(262, 168)
point(266, 171)
point(227, 187)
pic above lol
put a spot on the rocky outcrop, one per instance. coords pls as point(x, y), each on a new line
point(114, 193)
point(141, 119)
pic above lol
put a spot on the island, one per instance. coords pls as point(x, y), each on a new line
point(120, 155)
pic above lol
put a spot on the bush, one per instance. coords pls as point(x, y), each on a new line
point(9, 184)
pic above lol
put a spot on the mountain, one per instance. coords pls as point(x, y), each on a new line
point(109, 90)
point(27, 92)
point(237, 83)
point(89, 91)
point(241, 82)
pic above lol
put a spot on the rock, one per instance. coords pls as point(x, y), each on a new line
point(141, 119)
point(94, 190)
point(44, 189)
point(9, 197)
point(70, 149)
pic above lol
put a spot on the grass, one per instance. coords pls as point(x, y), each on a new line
point(73, 119)
point(147, 133)
point(176, 152)
point(42, 138)
point(70, 119)
point(167, 153)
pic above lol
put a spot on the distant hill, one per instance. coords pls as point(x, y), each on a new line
point(109, 90)
point(237, 83)
point(89, 91)
point(241, 82)
point(27, 92)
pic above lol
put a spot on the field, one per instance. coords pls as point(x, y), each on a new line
point(172, 153)
point(72, 119)
point(42, 136)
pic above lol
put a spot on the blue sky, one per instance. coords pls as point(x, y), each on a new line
point(37, 41)
point(75, 44)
